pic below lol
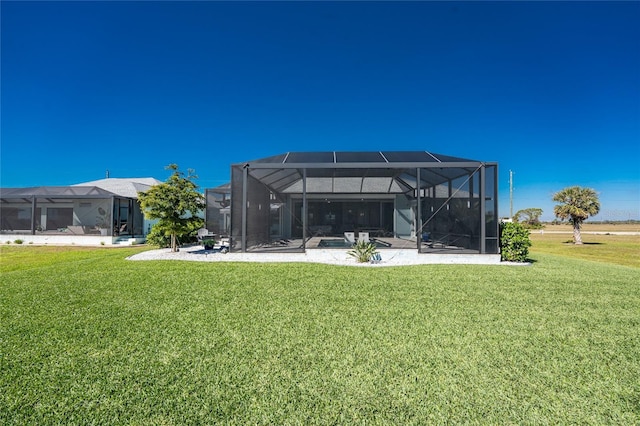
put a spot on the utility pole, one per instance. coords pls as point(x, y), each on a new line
point(511, 194)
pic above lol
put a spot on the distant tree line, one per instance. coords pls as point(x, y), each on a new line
point(529, 218)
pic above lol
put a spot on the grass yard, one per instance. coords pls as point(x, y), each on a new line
point(87, 337)
point(607, 248)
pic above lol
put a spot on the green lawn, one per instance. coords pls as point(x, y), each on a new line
point(608, 248)
point(87, 337)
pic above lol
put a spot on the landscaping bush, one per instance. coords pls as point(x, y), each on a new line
point(18, 241)
point(514, 242)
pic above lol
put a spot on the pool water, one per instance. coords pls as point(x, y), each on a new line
point(342, 243)
point(335, 243)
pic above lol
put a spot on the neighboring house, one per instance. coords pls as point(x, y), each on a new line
point(104, 211)
point(417, 199)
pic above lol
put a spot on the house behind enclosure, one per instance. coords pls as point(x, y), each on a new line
point(104, 211)
point(419, 200)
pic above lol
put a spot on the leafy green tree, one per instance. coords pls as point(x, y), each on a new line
point(577, 204)
point(175, 203)
point(529, 217)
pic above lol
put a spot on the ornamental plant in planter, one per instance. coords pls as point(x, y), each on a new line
point(208, 243)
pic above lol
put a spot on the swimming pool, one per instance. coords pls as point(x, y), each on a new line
point(334, 243)
point(342, 243)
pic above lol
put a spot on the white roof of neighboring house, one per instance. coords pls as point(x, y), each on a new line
point(125, 187)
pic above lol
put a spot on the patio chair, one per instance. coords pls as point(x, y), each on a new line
point(363, 236)
point(223, 245)
point(202, 234)
point(350, 237)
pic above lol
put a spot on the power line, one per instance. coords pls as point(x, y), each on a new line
point(511, 194)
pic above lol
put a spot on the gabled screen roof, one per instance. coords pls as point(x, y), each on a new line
point(374, 172)
point(338, 157)
point(56, 192)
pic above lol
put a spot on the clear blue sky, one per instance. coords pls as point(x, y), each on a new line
point(549, 90)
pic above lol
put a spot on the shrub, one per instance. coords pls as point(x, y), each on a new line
point(514, 242)
point(18, 241)
point(362, 251)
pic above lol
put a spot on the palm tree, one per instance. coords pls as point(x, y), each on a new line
point(577, 205)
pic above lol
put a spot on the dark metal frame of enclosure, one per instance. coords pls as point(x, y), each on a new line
point(431, 182)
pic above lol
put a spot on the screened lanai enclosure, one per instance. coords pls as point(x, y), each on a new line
point(401, 200)
point(68, 210)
